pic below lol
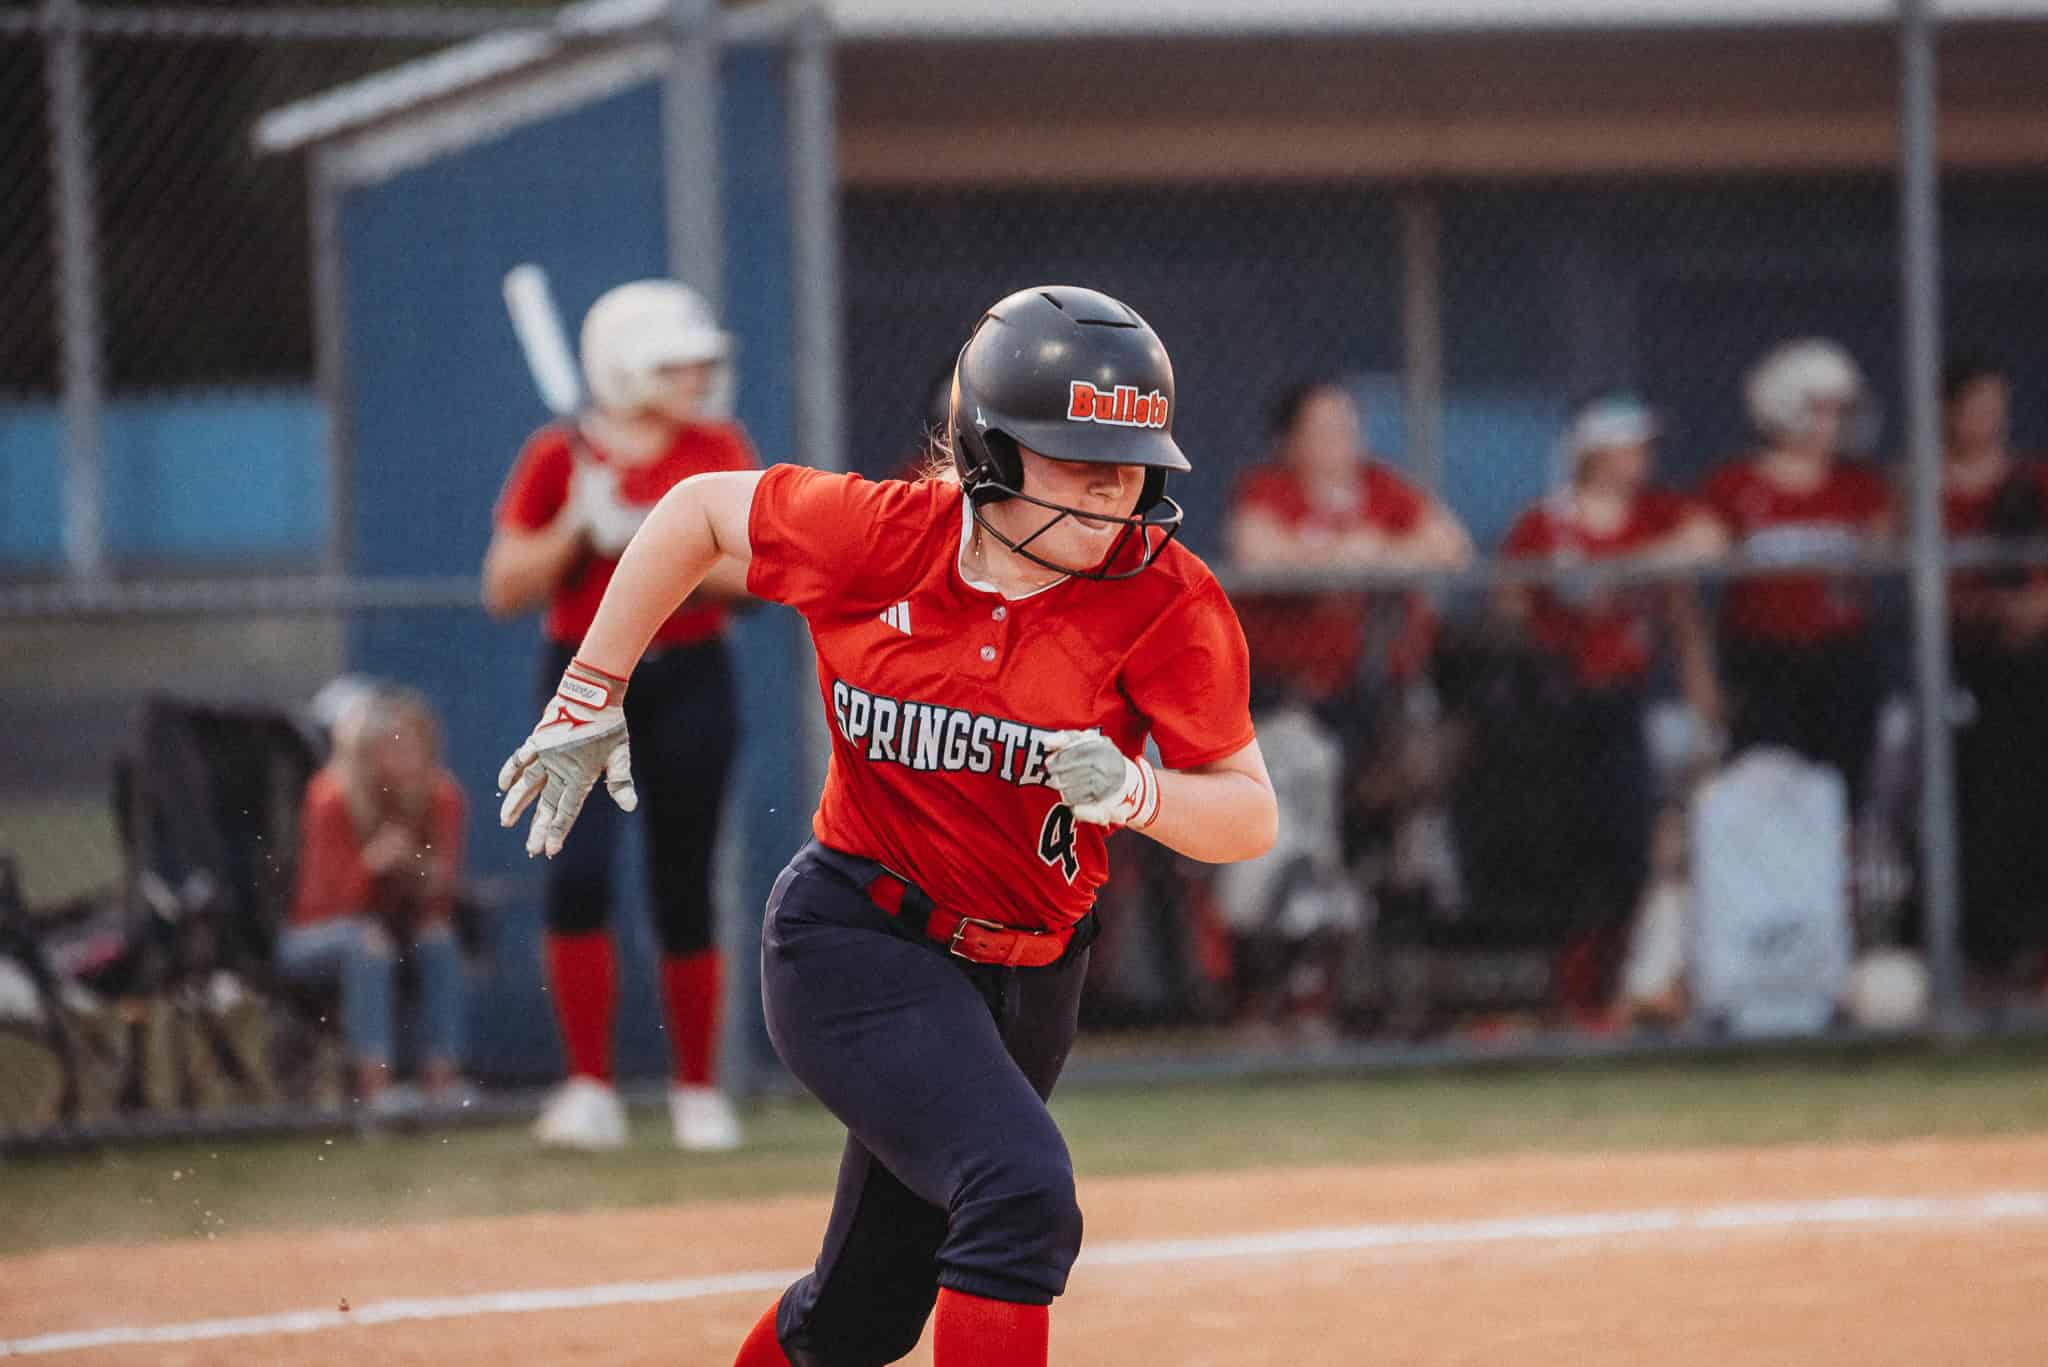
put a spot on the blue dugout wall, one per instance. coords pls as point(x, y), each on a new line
point(439, 402)
point(214, 477)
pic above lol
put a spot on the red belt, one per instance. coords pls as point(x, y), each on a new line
point(970, 937)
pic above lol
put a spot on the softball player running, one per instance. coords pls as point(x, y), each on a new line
point(994, 649)
point(659, 377)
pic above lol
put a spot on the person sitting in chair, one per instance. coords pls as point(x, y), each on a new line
point(380, 851)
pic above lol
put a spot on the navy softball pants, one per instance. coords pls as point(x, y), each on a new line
point(681, 716)
point(954, 1174)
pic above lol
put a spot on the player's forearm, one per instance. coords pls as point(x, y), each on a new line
point(1440, 542)
point(668, 557)
point(522, 568)
point(697, 522)
point(1695, 650)
point(1256, 540)
point(1218, 818)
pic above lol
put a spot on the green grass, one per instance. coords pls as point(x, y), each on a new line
point(66, 846)
point(198, 1190)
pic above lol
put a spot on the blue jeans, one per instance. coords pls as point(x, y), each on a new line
point(357, 953)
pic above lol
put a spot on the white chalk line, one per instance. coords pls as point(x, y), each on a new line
point(1844, 1212)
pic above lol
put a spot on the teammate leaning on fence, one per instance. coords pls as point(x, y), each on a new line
point(1606, 637)
point(2001, 653)
point(658, 372)
point(994, 650)
point(1322, 502)
point(1797, 650)
point(1332, 675)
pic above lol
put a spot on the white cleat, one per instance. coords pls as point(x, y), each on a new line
point(704, 1120)
point(583, 1114)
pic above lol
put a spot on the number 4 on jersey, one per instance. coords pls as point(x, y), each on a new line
point(1056, 841)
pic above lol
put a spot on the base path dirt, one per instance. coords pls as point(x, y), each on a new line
point(1949, 1280)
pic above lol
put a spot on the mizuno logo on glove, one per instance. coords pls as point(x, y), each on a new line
point(581, 735)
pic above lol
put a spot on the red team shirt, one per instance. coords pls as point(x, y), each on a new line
point(1312, 644)
point(1764, 519)
point(941, 694)
point(539, 488)
point(1966, 515)
point(1609, 636)
point(332, 878)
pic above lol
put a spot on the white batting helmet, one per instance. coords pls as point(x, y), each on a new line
point(1792, 377)
point(635, 329)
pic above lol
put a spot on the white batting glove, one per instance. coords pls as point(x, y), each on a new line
point(608, 520)
point(1099, 783)
point(581, 735)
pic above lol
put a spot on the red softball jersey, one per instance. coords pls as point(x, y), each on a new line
point(1966, 516)
point(941, 693)
point(332, 880)
point(1967, 512)
point(1767, 520)
point(1607, 634)
point(539, 488)
point(1311, 644)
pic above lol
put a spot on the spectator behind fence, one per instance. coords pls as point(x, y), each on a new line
point(1320, 502)
point(1797, 651)
point(1598, 808)
point(2001, 655)
point(380, 853)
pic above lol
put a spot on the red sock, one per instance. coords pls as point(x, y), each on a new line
point(692, 991)
point(975, 1332)
point(583, 984)
point(762, 1348)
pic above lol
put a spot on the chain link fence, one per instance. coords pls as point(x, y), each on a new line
point(27, 274)
point(1516, 759)
point(1515, 796)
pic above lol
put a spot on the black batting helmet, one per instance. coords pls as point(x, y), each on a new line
point(1075, 375)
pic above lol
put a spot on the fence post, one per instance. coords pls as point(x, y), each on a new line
point(77, 257)
point(820, 319)
point(814, 200)
point(1919, 232)
point(689, 116)
point(1422, 335)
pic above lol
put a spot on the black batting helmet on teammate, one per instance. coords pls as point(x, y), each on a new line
point(1075, 375)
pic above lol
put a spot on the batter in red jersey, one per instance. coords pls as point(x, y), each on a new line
point(995, 650)
point(1797, 651)
point(657, 365)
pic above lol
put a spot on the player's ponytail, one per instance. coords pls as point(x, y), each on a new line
point(937, 462)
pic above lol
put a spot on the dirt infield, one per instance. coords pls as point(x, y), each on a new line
point(1700, 1259)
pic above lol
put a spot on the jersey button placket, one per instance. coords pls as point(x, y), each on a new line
point(988, 656)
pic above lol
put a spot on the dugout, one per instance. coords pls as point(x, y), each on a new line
point(641, 138)
point(1473, 208)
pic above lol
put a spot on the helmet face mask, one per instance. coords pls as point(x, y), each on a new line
point(1154, 523)
point(1075, 376)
